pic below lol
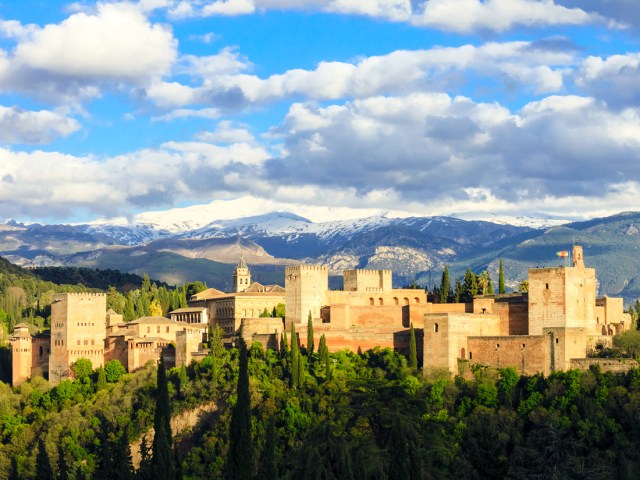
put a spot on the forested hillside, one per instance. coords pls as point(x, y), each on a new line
point(338, 416)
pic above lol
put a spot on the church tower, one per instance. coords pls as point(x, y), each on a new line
point(241, 276)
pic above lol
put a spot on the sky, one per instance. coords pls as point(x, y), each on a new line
point(325, 108)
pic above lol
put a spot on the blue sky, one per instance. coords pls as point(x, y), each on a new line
point(325, 108)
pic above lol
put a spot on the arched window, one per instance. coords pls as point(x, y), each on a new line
point(417, 300)
point(406, 301)
point(462, 353)
point(371, 301)
point(381, 301)
point(396, 301)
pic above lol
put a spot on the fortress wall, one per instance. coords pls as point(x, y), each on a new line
point(364, 280)
point(445, 336)
point(451, 308)
point(527, 354)
point(514, 318)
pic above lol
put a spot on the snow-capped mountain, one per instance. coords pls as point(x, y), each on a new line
point(175, 248)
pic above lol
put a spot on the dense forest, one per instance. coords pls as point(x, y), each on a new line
point(293, 414)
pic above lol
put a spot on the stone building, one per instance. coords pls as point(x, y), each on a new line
point(249, 300)
point(78, 330)
point(81, 327)
point(550, 328)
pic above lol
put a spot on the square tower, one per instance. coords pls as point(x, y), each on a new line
point(365, 280)
point(78, 330)
point(562, 297)
point(306, 289)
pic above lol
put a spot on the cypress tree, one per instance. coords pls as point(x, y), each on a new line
point(63, 466)
point(323, 350)
point(445, 286)
point(145, 472)
point(240, 454)
point(101, 381)
point(413, 351)
point(458, 291)
point(122, 464)
point(301, 372)
point(293, 357)
point(162, 452)
point(501, 279)
point(310, 342)
point(268, 468)
point(43, 463)
point(284, 350)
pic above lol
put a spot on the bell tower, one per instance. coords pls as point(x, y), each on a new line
point(241, 276)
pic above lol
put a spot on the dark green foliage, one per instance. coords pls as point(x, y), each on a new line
point(122, 464)
point(457, 294)
point(413, 351)
point(469, 286)
point(239, 464)
point(43, 462)
point(163, 466)
point(101, 380)
point(310, 341)
point(501, 279)
point(445, 286)
point(267, 467)
point(91, 278)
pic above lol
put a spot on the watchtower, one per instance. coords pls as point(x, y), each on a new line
point(241, 276)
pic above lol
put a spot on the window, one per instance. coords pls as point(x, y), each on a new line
point(158, 329)
point(148, 329)
point(371, 301)
point(435, 327)
point(381, 301)
point(167, 329)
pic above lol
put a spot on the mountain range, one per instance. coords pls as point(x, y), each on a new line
point(198, 247)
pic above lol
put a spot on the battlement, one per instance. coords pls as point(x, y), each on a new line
point(367, 280)
point(304, 267)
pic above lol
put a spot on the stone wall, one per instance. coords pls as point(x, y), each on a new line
point(613, 365)
point(367, 280)
point(445, 336)
point(527, 354)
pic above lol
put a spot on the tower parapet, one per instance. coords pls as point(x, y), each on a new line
point(366, 280)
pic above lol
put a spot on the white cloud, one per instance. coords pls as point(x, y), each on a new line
point(434, 148)
point(34, 127)
point(209, 113)
point(225, 83)
point(112, 45)
point(226, 132)
point(467, 16)
point(117, 42)
point(615, 79)
point(229, 7)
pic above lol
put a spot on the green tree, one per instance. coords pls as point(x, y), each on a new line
point(501, 289)
point(413, 351)
point(293, 357)
point(101, 381)
point(122, 463)
point(265, 313)
point(82, 368)
point(470, 286)
point(457, 291)
point(162, 442)
point(445, 286)
point(43, 462)
point(484, 280)
point(239, 462)
point(268, 468)
point(310, 341)
point(114, 370)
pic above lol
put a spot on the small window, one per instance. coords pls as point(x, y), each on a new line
point(523, 345)
point(547, 286)
point(470, 356)
point(381, 301)
point(435, 327)
point(167, 329)
point(497, 345)
point(371, 301)
point(557, 340)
